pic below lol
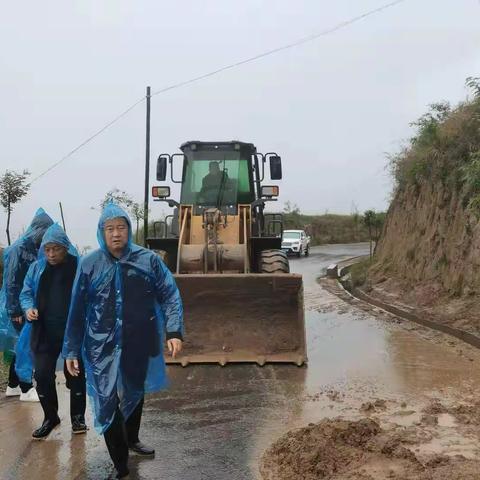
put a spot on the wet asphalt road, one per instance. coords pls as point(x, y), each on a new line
point(215, 422)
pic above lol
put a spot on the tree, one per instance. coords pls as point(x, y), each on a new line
point(356, 218)
point(378, 225)
point(292, 216)
point(83, 250)
point(138, 213)
point(374, 222)
point(118, 196)
point(13, 187)
point(369, 219)
point(290, 208)
point(473, 83)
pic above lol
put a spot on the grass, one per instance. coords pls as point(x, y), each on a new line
point(328, 228)
point(359, 271)
point(4, 366)
point(445, 152)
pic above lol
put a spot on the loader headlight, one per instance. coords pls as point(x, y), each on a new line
point(269, 191)
point(160, 192)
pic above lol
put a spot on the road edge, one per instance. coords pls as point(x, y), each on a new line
point(340, 271)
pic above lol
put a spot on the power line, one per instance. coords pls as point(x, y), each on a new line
point(301, 41)
point(288, 46)
point(89, 139)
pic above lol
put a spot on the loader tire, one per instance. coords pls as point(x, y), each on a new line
point(273, 261)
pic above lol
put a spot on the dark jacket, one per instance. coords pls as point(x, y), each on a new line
point(53, 301)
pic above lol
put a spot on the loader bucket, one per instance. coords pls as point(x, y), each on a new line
point(255, 318)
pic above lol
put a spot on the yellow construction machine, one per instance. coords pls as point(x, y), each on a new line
point(241, 303)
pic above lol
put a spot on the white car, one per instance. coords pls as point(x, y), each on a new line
point(296, 241)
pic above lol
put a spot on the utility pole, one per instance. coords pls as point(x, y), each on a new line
point(63, 219)
point(147, 172)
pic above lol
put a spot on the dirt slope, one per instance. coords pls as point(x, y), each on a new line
point(429, 252)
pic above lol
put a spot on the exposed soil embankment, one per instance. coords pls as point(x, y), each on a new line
point(429, 254)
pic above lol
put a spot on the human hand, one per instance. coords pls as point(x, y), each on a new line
point(32, 314)
point(73, 366)
point(174, 346)
point(17, 319)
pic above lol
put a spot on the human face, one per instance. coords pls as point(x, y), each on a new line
point(116, 235)
point(55, 253)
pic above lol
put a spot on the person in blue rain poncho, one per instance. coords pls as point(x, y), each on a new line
point(45, 300)
point(124, 302)
point(17, 259)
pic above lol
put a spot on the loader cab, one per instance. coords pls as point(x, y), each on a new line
point(223, 176)
point(217, 175)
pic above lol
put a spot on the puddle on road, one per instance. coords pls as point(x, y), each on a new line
point(215, 422)
point(356, 347)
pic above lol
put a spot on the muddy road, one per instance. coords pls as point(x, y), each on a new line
point(215, 423)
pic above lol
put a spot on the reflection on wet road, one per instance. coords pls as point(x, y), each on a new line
point(214, 422)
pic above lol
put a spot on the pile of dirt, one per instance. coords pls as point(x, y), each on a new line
point(465, 414)
point(373, 406)
point(335, 449)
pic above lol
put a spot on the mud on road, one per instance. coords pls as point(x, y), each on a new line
point(217, 423)
point(363, 450)
point(420, 423)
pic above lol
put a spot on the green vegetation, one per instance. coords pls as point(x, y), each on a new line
point(358, 272)
point(13, 187)
point(445, 150)
point(4, 367)
point(333, 228)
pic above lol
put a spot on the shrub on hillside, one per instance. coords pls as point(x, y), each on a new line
point(328, 228)
point(445, 149)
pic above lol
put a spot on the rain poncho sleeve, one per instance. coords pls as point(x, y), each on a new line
point(8, 335)
point(27, 296)
point(15, 269)
point(168, 297)
point(19, 257)
point(24, 358)
point(76, 318)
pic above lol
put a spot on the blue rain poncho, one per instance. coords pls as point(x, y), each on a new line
point(28, 297)
point(16, 260)
point(119, 313)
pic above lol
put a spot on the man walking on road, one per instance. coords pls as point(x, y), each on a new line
point(124, 298)
point(17, 259)
point(45, 299)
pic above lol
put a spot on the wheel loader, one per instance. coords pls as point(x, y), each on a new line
point(241, 304)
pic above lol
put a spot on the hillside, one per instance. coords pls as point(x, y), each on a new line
point(429, 251)
point(330, 228)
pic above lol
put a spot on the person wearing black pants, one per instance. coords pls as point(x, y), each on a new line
point(45, 363)
point(45, 299)
point(17, 259)
point(14, 382)
point(123, 302)
point(122, 435)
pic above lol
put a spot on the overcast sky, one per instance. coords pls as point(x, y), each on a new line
point(331, 108)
